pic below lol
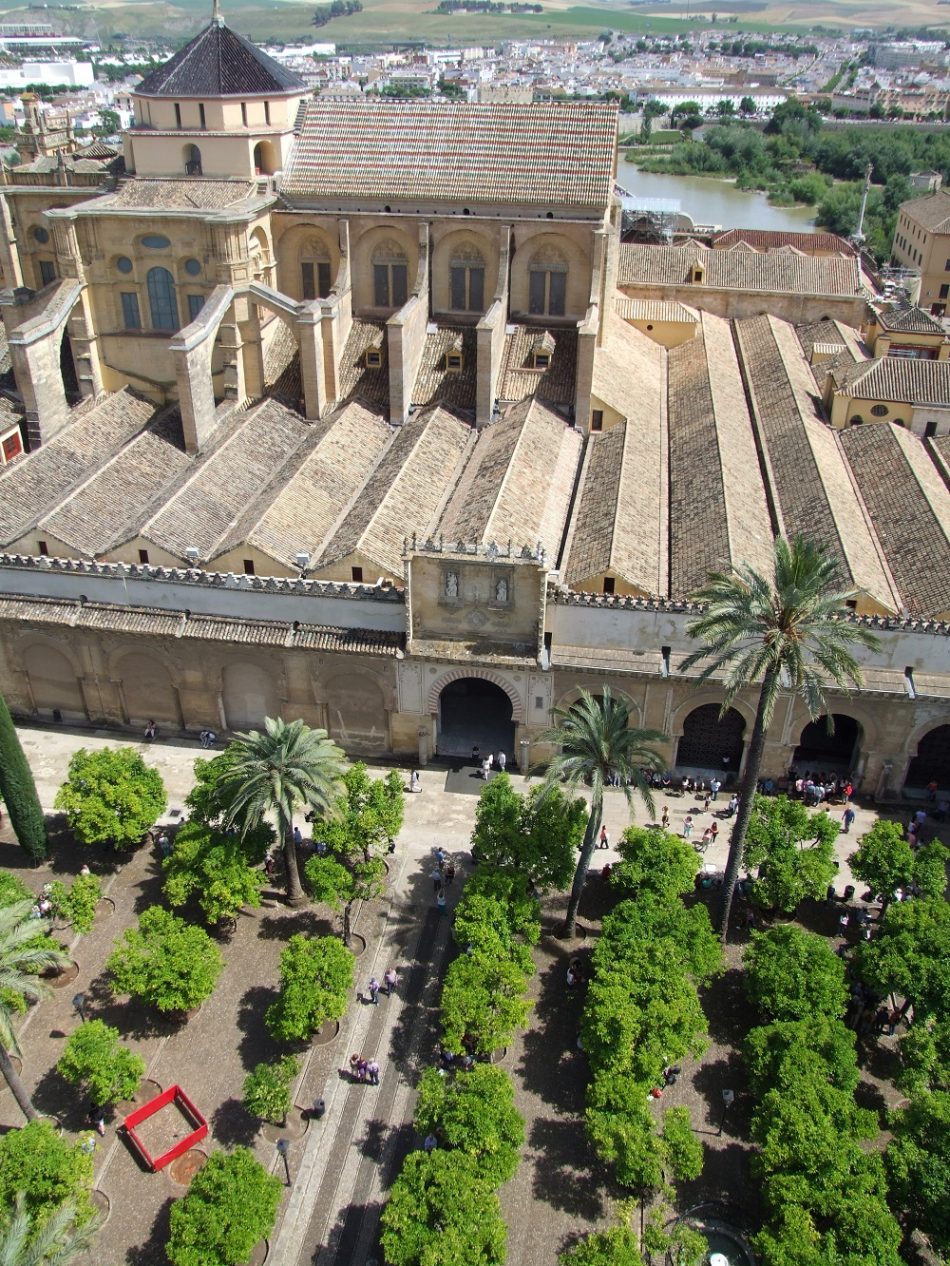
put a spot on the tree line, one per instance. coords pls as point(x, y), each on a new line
point(325, 13)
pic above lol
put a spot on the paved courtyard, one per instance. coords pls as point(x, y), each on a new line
point(341, 1165)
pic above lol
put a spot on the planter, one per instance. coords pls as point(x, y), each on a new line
point(295, 1127)
point(357, 945)
point(102, 1205)
point(64, 977)
point(105, 907)
point(259, 1256)
point(326, 1033)
point(183, 1168)
point(580, 933)
point(496, 1057)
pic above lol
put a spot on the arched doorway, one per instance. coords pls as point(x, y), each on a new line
point(835, 753)
point(264, 163)
point(148, 691)
point(56, 691)
point(472, 710)
point(192, 159)
point(932, 762)
point(710, 742)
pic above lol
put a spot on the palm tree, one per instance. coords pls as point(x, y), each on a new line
point(53, 1242)
point(24, 953)
point(276, 771)
point(598, 747)
point(789, 634)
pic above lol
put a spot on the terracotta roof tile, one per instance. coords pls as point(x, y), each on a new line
point(909, 506)
point(931, 211)
point(739, 270)
point(434, 383)
point(430, 152)
point(556, 384)
point(900, 379)
point(769, 239)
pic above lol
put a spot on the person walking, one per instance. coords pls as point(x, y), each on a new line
point(665, 819)
point(374, 991)
point(449, 873)
point(389, 976)
point(436, 877)
point(604, 839)
point(440, 902)
point(714, 785)
point(847, 818)
point(688, 826)
point(502, 761)
point(372, 1071)
point(714, 832)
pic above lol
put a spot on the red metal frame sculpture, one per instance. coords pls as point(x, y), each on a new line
point(174, 1094)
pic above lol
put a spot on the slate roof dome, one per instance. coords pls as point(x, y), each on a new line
point(220, 63)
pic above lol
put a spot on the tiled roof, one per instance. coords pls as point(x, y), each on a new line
point(542, 155)
point(181, 624)
point(630, 372)
point(371, 385)
point(653, 310)
point(518, 481)
point(910, 320)
point(811, 482)
point(220, 63)
point(900, 379)
point(931, 211)
point(940, 451)
point(405, 493)
point(33, 486)
point(175, 195)
point(771, 239)
point(836, 334)
point(434, 384)
point(909, 506)
point(738, 270)
point(517, 379)
point(220, 488)
point(121, 494)
point(718, 510)
point(308, 502)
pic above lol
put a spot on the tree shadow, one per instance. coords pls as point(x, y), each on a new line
point(567, 1175)
point(726, 1178)
point(232, 1125)
point(343, 1236)
point(726, 1008)
point(152, 1251)
point(376, 1136)
point(550, 1066)
point(709, 1081)
point(282, 924)
point(256, 1045)
point(131, 1017)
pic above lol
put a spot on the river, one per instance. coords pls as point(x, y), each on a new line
point(716, 201)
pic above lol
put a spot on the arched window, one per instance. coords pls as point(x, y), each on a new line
point(260, 261)
point(192, 160)
point(264, 164)
point(547, 284)
point(161, 299)
point(314, 269)
point(390, 276)
point(467, 281)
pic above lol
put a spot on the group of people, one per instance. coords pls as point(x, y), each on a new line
point(814, 788)
point(364, 1070)
point(389, 980)
point(487, 763)
point(207, 738)
point(442, 876)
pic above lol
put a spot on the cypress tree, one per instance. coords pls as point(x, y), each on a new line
point(19, 790)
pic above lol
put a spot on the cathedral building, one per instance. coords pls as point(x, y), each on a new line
point(361, 411)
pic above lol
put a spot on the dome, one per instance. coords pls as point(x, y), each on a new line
point(220, 63)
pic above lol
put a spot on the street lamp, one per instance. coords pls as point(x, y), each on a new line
point(79, 1006)
point(283, 1146)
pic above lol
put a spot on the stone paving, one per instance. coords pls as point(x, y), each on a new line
point(341, 1166)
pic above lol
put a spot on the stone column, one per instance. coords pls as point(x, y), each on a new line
point(309, 327)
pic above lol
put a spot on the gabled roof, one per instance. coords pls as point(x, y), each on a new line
point(912, 320)
point(220, 63)
point(773, 271)
point(769, 239)
point(541, 155)
point(901, 379)
point(930, 212)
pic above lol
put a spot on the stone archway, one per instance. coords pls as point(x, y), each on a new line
point(148, 692)
point(249, 695)
point(357, 716)
point(835, 753)
point(931, 763)
point(710, 742)
point(475, 712)
point(54, 685)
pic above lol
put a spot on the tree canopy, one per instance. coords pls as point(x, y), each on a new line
point(47, 1168)
point(316, 978)
point(166, 962)
point(94, 1058)
point(18, 790)
point(794, 975)
point(441, 1209)
point(111, 796)
point(793, 851)
point(231, 1204)
point(537, 835)
point(219, 868)
point(474, 1112)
